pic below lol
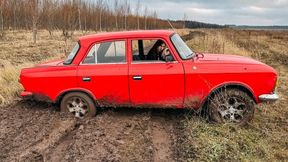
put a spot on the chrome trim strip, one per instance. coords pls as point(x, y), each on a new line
point(122, 63)
point(268, 97)
point(153, 62)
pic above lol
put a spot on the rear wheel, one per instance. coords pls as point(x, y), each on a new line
point(231, 106)
point(79, 104)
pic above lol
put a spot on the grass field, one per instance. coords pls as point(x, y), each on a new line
point(264, 139)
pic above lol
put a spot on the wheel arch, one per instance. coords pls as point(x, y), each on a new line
point(235, 85)
point(82, 90)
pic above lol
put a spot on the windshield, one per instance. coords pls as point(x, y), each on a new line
point(72, 54)
point(184, 51)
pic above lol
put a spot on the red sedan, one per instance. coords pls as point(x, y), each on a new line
point(151, 69)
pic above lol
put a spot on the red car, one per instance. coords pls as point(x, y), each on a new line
point(151, 69)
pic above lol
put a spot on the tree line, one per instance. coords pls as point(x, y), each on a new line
point(196, 24)
point(70, 15)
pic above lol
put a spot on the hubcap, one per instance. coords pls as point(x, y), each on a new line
point(232, 109)
point(77, 106)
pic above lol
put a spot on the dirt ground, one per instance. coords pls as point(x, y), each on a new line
point(37, 131)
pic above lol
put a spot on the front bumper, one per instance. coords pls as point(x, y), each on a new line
point(269, 97)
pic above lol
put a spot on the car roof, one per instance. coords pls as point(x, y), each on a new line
point(125, 34)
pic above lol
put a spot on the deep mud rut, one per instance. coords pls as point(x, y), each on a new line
point(35, 131)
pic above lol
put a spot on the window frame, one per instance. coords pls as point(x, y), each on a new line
point(105, 41)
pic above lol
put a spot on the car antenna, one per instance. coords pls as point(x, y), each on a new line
point(171, 25)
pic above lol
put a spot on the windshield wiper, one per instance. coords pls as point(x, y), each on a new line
point(191, 55)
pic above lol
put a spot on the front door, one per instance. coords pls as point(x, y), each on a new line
point(154, 83)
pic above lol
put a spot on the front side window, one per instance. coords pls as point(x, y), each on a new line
point(107, 52)
point(182, 48)
point(152, 50)
point(72, 54)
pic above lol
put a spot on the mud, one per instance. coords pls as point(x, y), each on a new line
point(36, 131)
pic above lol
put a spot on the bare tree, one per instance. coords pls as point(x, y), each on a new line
point(14, 13)
point(155, 17)
point(48, 15)
point(2, 18)
point(126, 12)
point(79, 14)
point(69, 21)
point(145, 17)
point(138, 7)
point(116, 8)
point(34, 9)
point(86, 11)
point(184, 20)
point(100, 6)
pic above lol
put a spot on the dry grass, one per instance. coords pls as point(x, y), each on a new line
point(18, 51)
point(9, 88)
point(265, 138)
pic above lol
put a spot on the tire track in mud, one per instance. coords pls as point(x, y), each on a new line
point(169, 135)
point(161, 138)
point(61, 129)
point(36, 132)
point(110, 136)
point(28, 129)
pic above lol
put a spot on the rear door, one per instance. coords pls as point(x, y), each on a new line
point(154, 83)
point(104, 72)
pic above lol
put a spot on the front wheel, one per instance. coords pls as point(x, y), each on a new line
point(79, 104)
point(231, 106)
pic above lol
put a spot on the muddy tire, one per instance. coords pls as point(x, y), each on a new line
point(231, 106)
point(79, 104)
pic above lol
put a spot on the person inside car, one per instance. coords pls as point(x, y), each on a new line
point(160, 52)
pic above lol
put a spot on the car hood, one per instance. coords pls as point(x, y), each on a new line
point(51, 63)
point(224, 58)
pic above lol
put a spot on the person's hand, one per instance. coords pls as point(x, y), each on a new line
point(166, 52)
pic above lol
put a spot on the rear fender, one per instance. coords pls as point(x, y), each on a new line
point(61, 94)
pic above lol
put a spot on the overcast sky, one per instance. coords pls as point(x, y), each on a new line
point(238, 12)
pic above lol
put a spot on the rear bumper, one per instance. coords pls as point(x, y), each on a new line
point(269, 97)
point(35, 96)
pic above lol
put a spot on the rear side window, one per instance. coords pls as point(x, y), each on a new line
point(107, 52)
point(72, 54)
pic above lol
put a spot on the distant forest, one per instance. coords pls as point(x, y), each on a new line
point(97, 15)
point(273, 27)
point(84, 15)
point(196, 24)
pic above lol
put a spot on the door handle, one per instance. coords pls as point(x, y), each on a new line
point(86, 79)
point(137, 77)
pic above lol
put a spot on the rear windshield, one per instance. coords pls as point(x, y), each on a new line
point(72, 54)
